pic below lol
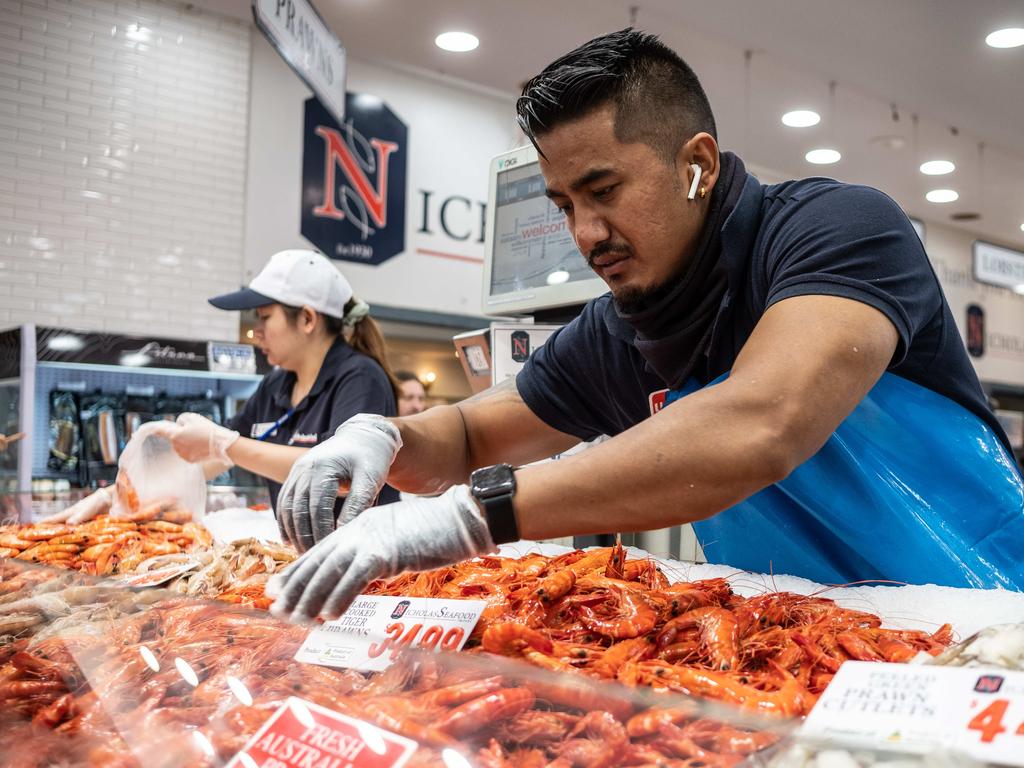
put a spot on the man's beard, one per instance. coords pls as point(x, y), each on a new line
point(631, 300)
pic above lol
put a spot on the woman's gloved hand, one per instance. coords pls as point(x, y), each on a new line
point(199, 439)
point(96, 503)
point(412, 535)
point(358, 457)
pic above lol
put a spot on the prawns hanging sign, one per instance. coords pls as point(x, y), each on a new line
point(376, 628)
point(303, 735)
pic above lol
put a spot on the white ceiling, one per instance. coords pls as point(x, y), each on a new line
point(928, 57)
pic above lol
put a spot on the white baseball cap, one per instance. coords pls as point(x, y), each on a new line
point(297, 278)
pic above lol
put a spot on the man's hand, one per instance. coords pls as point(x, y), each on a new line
point(412, 535)
point(357, 457)
point(96, 503)
point(200, 440)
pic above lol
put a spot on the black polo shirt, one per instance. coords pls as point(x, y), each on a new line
point(812, 236)
point(349, 382)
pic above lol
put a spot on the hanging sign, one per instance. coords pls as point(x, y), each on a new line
point(354, 180)
point(998, 266)
point(306, 43)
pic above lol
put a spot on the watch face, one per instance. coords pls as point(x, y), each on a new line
point(493, 481)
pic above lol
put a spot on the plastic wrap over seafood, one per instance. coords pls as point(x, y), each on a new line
point(181, 682)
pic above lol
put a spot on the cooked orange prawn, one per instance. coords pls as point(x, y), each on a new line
point(624, 614)
point(718, 634)
point(468, 718)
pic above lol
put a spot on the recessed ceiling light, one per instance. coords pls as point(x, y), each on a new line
point(1022, 227)
point(801, 118)
point(823, 156)
point(937, 167)
point(1011, 37)
point(941, 196)
point(459, 42)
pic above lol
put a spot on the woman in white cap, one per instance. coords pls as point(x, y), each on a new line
point(330, 365)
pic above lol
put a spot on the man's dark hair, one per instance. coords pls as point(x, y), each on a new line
point(658, 99)
point(407, 376)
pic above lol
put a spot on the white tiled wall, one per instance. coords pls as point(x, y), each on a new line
point(122, 165)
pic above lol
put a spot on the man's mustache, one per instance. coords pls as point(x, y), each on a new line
point(603, 249)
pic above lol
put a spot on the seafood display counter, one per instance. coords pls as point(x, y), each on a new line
point(98, 675)
point(578, 659)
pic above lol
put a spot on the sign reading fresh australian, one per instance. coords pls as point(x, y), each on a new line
point(353, 180)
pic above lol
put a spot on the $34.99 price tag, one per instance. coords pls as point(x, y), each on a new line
point(376, 628)
point(918, 709)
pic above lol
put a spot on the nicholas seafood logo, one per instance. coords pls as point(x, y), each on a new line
point(353, 180)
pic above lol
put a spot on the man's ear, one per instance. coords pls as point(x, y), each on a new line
point(701, 149)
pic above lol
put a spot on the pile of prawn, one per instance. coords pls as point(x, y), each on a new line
point(104, 546)
point(189, 683)
point(596, 613)
point(234, 573)
point(194, 681)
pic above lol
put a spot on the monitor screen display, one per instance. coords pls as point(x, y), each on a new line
point(532, 244)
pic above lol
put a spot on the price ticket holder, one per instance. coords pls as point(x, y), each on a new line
point(918, 709)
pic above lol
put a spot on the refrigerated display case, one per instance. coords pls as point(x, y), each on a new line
point(77, 396)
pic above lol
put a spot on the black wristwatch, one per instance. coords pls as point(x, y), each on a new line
point(494, 488)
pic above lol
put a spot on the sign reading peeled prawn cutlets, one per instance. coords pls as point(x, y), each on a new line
point(353, 180)
point(303, 735)
point(918, 709)
point(376, 628)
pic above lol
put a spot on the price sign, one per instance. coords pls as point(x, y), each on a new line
point(916, 709)
point(301, 734)
point(376, 628)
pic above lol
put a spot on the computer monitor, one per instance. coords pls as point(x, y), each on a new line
point(531, 262)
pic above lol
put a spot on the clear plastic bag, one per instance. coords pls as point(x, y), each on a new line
point(153, 481)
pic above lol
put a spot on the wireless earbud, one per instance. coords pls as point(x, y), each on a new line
point(696, 181)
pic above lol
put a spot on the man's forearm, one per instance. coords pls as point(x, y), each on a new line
point(443, 445)
point(433, 454)
point(701, 455)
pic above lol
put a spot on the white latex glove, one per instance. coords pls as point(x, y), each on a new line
point(357, 457)
point(96, 503)
point(199, 439)
point(413, 535)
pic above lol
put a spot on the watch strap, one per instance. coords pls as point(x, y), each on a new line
point(501, 519)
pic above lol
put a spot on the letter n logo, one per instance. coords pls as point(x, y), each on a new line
point(354, 180)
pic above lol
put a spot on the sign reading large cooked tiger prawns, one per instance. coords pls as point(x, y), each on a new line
point(376, 628)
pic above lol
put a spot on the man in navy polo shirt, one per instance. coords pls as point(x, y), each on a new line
point(776, 364)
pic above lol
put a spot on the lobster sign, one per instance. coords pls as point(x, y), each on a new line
point(353, 180)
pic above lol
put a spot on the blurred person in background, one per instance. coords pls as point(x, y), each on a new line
point(412, 395)
point(329, 363)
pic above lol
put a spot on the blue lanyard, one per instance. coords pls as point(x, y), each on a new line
point(273, 427)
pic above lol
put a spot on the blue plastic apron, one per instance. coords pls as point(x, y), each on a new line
point(911, 487)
